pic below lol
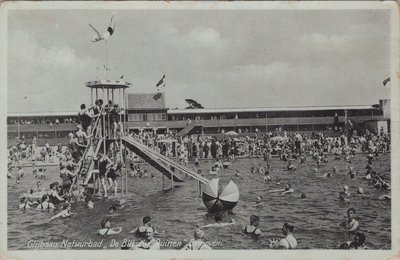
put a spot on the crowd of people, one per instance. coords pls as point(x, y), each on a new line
point(49, 121)
point(287, 147)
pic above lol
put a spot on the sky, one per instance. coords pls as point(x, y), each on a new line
point(221, 58)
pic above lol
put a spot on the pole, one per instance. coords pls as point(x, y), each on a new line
point(106, 66)
point(108, 115)
point(19, 137)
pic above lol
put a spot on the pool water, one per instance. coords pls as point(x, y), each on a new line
point(175, 213)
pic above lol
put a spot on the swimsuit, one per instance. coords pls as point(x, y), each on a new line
point(141, 234)
point(250, 233)
point(85, 120)
point(110, 30)
point(102, 168)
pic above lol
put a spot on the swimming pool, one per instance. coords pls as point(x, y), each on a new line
point(175, 213)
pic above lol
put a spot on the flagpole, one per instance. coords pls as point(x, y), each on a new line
point(106, 67)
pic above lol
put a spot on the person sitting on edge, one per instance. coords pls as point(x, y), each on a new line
point(253, 229)
point(197, 243)
point(289, 242)
point(148, 243)
point(106, 229)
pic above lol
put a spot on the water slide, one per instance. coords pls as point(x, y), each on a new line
point(188, 128)
point(159, 161)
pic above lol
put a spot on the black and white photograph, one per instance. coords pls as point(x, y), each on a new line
point(185, 126)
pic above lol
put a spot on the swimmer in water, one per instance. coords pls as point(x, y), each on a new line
point(259, 200)
point(287, 189)
point(290, 167)
point(141, 230)
point(385, 197)
point(237, 174)
point(302, 158)
point(121, 204)
point(106, 229)
point(219, 223)
point(90, 203)
point(289, 242)
point(197, 243)
point(303, 196)
point(112, 211)
point(149, 242)
point(214, 170)
point(65, 213)
point(344, 194)
point(357, 243)
point(253, 229)
point(45, 204)
point(350, 225)
point(351, 172)
point(267, 177)
point(39, 187)
point(25, 203)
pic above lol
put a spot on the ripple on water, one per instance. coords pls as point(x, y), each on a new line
point(176, 212)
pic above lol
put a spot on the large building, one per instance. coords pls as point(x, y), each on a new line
point(148, 112)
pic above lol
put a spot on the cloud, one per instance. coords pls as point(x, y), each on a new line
point(45, 75)
point(205, 37)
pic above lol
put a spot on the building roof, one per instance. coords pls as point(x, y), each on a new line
point(266, 109)
point(42, 114)
point(108, 84)
point(146, 101)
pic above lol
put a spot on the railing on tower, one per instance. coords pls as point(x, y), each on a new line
point(95, 134)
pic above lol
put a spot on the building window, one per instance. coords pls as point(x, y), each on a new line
point(45, 135)
point(62, 134)
point(159, 117)
point(12, 136)
point(305, 127)
point(135, 117)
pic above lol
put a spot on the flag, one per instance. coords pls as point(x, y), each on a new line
point(161, 81)
point(157, 96)
point(386, 81)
